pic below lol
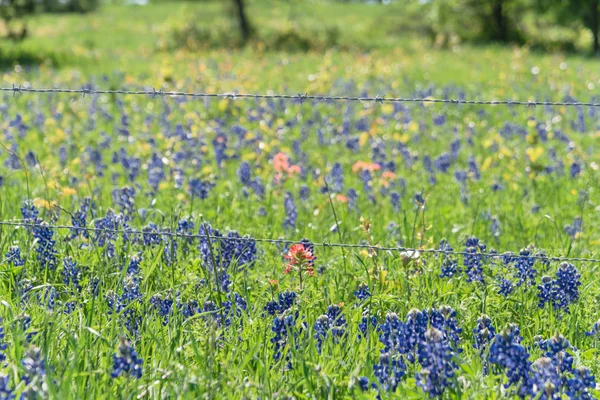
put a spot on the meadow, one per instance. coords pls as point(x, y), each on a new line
point(180, 247)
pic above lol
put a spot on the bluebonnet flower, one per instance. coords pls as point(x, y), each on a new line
point(508, 354)
point(29, 212)
point(237, 250)
point(164, 307)
point(363, 383)
point(34, 366)
point(185, 226)
point(151, 235)
point(71, 274)
point(575, 169)
point(443, 162)
point(366, 322)
point(199, 188)
point(6, 392)
point(580, 385)
point(473, 169)
point(333, 323)
point(449, 265)
point(567, 285)
point(484, 333)
point(444, 319)
point(545, 381)
point(244, 173)
point(220, 146)
point(106, 227)
point(48, 297)
point(290, 211)
point(595, 331)
point(304, 193)
point(3, 345)
point(505, 287)
point(545, 291)
point(437, 366)
point(574, 229)
point(389, 371)
point(13, 256)
point(79, 221)
point(69, 307)
point(420, 199)
point(473, 261)
point(352, 196)
point(336, 177)
point(125, 199)
point(524, 266)
point(126, 361)
point(134, 264)
point(285, 329)
point(258, 187)
point(556, 349)
point(396, 201)
point(45, 249)
point(362, 292)
point(285, 301)
point(563, 290)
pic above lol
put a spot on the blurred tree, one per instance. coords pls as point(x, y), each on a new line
point(573, 12)
point(242, 18)
point(13, 11)
point(487, 20)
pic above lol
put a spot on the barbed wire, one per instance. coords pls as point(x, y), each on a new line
point(300, 97)
point(411, 252)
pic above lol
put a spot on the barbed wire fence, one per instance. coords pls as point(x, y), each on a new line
point(301, 97)
point(410, 252)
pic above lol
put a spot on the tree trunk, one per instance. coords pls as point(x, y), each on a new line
point(242, 19)
point(595, 25)
point(499, 20)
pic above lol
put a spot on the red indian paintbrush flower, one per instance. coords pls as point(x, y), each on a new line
point(300, 258)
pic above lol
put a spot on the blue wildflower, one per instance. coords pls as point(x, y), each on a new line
point(595, 331)
point(366, 322)
point(13, 256)
point(6, 392)
point(244, 173)
point(389, 371)
point(473, 261)
point(449, 265)
point(334, 323)
point(484, 333)
point(581, 384)
point(556, 348)
point(362, 292)
point(71, 274)
point(508, 354)
point(545, 381)
point(363, 383)
point(285, 301)
point(286, 334)
point(437, 366)
point(126, 361)
point(290, 211)
point(505, 287)
point(34, 366)
point(46, 252)
point(199, 188)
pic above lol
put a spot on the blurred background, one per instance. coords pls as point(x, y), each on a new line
point(143, 36)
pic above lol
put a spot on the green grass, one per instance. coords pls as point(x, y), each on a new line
point(57, 150)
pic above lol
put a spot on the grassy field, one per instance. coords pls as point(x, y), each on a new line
point(128, 310)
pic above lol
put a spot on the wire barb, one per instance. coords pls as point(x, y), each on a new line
point(16, 90)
